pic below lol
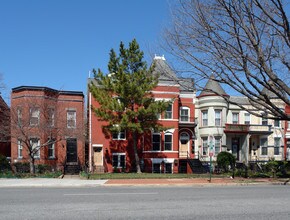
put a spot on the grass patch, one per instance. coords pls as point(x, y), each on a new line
point(10, 174)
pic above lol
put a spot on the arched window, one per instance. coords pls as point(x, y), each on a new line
point(184, 138)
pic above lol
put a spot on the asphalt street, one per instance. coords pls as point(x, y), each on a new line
point(120, 202)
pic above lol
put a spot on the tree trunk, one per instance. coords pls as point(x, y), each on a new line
point(138, 169)
point(32, 166)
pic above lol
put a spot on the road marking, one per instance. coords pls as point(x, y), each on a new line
point(112, 194)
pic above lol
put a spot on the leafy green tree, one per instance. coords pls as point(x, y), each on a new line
point(125, 97)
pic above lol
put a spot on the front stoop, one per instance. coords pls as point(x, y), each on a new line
point(68, 176)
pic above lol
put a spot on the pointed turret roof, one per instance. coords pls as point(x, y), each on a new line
point(212, 87)
point(166, 74)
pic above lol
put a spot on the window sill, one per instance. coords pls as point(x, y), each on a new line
point(51, 158)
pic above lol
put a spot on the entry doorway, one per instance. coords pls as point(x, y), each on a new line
point(98, 156)
point(71, 150)
point(236, 148)
point(184, 144)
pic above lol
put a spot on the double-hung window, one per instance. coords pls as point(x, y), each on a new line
point(71, 118)
point(204, 118)
point(184, 114)
point(119, 160)
point(121, 135)
point(235, 118)
point(35, 145)
point(156, 140)
point(168, 141)
point(247, 118)
point(277, 145)
point(19, 117)
point(34, 116)
point(217, 145)
point(264, 121)
point(51, 149)
point(217, 114)
point(204, 147)
point(264, 146)
point(277, 123)
point(20, 149)
point(50, 117)
point(168, 112)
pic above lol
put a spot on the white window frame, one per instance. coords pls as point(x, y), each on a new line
point(247, 118)
point(118, 136)
point(34, 115)
point(218, 119)
point(20, 149)
point(277, 121)
point(50, 117)
point(19, 116)
point(277, 144)
point(204, 118)
point(119, 155)
point(265, 145)
point(264, 121)
point(51, 147)
point(171, 143)
point(71, 116)
point(35, 145)
point(168, 114)
point(235, 117)
point(217, 145)
point(181, 116)
point(159, 134)
point(205, 146)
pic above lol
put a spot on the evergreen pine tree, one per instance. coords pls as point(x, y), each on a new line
point(125, 97)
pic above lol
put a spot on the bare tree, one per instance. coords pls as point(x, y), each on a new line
point(36, 124)
point(244, 44)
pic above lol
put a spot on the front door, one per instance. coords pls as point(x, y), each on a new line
point(236, 148)
point(71, 150)
point(98, 156)
point(184, 143)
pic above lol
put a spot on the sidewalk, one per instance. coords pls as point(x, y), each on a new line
point(193, 182)
point(77, 182)
point(49, 182)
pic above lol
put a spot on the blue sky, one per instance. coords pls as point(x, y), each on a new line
point(55, 43)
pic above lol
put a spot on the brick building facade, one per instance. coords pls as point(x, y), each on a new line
point(41, 115)
point(5, 145)
point(166, 151)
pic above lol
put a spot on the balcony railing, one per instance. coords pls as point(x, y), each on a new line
point(184, 120)
point(245, 128)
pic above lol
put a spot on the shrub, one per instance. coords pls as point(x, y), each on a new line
point(4, 164)
point(43, 168)
point(22, 167)
point(226, 160)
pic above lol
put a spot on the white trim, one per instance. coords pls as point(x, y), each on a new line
point(159, 92)
point(188, 115)
point(163, 99)
point(98, 145)
point(169, 130)
point(159, 151)
point(168, 119)
point(168, 133)
point(160, 160)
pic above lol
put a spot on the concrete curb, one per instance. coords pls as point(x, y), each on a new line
point(46, 182)
point(77, 182)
